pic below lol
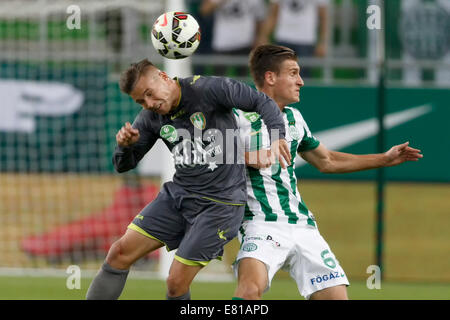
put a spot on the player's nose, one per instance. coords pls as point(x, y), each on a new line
point(300, 82)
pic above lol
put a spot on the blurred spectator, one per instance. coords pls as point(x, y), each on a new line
point(235, 27)
point(424, 33)
point(206, 27)
point(301, 25)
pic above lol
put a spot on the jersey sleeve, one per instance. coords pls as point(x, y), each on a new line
point(309, 142)
point(228, 94)
point(244, 129)
point(127, 158)
point(252, 132)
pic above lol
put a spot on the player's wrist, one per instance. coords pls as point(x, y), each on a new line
point(123, 148)
point(385, 159)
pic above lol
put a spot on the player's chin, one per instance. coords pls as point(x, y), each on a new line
point(295, 99)
point(162, 110)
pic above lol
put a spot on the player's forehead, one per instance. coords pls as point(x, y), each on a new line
point(148, 81)
point(289, 65)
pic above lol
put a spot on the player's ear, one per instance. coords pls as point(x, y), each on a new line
point(270, 77)
point(163, 75)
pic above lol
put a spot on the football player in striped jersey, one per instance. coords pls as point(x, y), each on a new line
point(279, 231)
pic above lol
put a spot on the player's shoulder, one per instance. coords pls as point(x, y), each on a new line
point(199, 81)
point(146, 114)
point(240, 117)
point(202, 85)
point(296, 113)
point(146, 119)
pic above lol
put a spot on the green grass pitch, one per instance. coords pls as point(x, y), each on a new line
point(54, 288)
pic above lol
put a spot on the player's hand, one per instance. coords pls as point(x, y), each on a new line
point(127, 135)
point(401, 153)
point(280, 152)
point(259, 159)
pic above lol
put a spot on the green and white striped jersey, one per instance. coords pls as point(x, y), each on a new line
point(272, 192)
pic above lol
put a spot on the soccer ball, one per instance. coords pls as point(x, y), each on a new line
point(175, 35)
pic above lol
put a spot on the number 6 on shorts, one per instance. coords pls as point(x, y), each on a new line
point(328, 261)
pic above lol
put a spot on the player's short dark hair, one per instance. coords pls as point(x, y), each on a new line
point(268, 57)
point(130, 76)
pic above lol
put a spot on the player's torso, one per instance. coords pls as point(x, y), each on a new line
point(196, 134)
point(272, 192)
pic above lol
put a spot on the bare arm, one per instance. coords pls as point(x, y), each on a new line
point(321, 48)
point(208, 7)
point(328, 161)
point(268, 25)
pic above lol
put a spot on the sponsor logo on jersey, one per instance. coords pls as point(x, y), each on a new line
point(275, 243)
point(326, 277)
point(220, 234)
point(250, 246)
point(194, 79)
point(253, 238)
point(169, 133)
point(178, 114)
point(198, 120)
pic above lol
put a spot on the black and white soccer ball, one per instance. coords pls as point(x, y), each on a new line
point(175, 35)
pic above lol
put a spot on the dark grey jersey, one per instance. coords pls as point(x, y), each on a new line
point(203, 136)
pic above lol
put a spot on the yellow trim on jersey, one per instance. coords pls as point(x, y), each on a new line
point(227, 203)
point(179, 99)
point(134, 227)
point(192, 262)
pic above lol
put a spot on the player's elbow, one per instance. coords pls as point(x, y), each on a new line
point(325, 166)
point(121, 167)
point(328, 162)
point(325, 169)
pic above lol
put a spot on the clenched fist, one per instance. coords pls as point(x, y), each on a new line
point(127, 135)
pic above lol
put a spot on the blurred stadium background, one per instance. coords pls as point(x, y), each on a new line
point(61, 203)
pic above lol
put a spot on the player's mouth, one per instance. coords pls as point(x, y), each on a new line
point(155, 109)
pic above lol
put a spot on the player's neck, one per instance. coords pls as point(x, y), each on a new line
point(272, 95)
point(177, 94)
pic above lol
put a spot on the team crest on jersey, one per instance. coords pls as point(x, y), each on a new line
point(293, 131)
point(169, 133)
point(251, 116)
point(198, 120)
point(250, 246)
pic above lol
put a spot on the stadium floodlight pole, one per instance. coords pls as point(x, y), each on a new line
point(381, 106)
point(181, 68)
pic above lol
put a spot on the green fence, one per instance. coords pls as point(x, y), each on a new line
point(343, 118)
point(415, 115)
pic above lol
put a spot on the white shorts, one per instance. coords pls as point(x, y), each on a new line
point(299, 249)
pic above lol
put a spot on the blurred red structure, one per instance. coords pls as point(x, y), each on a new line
point(96, 233)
